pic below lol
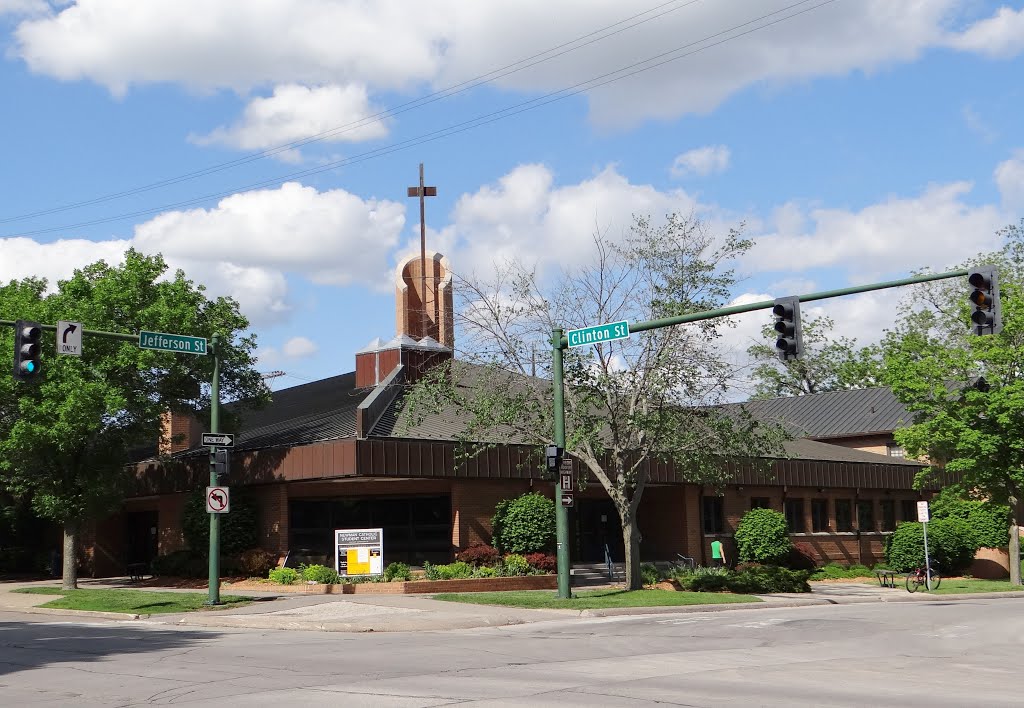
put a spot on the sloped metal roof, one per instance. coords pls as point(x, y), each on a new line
point(835, 414)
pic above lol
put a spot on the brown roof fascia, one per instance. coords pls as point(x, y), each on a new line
point(395, 457)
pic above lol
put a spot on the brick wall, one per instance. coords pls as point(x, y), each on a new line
point(473, 506)
point(170, 507)
point(662, 517)
point(272, 501)
point(865, 546)
point(178, 431)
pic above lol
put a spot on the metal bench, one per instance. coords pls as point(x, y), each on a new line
point(887, 578)
point(136, 571)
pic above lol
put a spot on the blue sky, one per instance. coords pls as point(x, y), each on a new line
point(858, 140)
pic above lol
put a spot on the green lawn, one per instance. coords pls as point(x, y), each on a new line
point(952, 586)
point(595, 599)
point(132, 601)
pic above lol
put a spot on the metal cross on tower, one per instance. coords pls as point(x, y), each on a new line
point(422, 192)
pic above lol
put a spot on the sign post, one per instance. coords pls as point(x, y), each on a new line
point(924, 517)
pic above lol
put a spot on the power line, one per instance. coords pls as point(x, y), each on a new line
point(455, 89)
point(485, 119)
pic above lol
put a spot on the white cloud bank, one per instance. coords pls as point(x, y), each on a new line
point(395, 45)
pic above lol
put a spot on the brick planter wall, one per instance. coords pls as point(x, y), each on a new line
point(524, 582)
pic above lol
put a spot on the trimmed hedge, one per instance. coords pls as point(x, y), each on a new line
point(752, 579)
point(989, 523)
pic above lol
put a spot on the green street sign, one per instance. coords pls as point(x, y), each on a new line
point(598, 333)
point(181, 343)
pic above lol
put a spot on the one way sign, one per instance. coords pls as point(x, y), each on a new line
point(218, 440)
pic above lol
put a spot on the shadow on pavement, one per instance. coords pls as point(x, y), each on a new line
point(31, 645)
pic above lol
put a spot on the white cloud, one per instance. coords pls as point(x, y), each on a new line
point(24, 7)
point(701, 161)
point(1009, 176)
point(1000, 36)
point(57, 260)
point(245, 246)
point(331, 237)
point(299, 347)
point(394, 45)
point(293, 112)
point(525, 216)
point(898, 234)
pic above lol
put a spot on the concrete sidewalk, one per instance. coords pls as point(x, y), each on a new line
point(406, 613)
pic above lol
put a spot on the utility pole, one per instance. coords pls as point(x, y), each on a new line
point(423, 192)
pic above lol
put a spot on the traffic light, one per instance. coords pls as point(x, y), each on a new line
point(985, 317)
point(222, 462)
point(553, 457)
point(26, 350)
point(789, 344)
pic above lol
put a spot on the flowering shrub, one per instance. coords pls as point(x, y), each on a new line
point(515, 564)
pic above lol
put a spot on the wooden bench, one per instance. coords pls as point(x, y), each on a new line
point(136, 571)
point(887, 578)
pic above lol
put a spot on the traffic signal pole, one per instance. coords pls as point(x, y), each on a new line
point(559, 342)
point(214, 583)
point(561, 512)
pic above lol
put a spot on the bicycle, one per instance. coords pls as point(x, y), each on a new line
point(919, 577)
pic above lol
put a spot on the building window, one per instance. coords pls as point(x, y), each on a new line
point(865, 515)
point(760, 503)
point(888, 510)
point(908, 508)
point(795, 516)
point(714, 515)
point(819, 515)
point(895, 450)
point(844, 515)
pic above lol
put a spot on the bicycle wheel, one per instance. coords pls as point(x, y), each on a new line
point(912, 583)
point(936, 579)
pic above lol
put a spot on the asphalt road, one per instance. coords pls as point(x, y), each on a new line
point(936, 653)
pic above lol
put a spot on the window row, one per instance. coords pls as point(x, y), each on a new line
point(821, 521)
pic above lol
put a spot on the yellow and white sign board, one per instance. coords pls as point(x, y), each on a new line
point(359, 551)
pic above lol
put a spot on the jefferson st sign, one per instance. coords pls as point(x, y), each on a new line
point(598, 333)
point(172, 343)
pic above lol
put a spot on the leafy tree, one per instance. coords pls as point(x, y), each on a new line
point(826, 365)
point(950, 544)
point(935, 365)
point(762, 537)
point(65, 438)
point(628, 403)
point(988, 522)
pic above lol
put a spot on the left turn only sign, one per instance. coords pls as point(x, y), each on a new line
point(69, 338)
point(217, 500)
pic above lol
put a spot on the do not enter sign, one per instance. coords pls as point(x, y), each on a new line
point(217, 500)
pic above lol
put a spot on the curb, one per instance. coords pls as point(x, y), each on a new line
point(74, 613)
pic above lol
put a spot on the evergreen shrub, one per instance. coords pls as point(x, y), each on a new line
point(950, 543)
point(762, 537)
point(525, 524)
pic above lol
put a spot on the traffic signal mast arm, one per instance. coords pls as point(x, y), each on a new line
point(100, 333)
point(765, 304)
